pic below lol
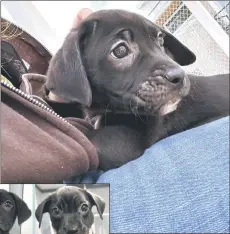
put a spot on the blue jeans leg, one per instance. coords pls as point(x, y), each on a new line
point(180, 184)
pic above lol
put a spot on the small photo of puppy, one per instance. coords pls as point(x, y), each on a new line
point(12, 207)
point(72, 209)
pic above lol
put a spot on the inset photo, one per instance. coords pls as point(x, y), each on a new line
point(75, 208)
point(16, 208)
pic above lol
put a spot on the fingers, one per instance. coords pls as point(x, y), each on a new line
point(81, 15)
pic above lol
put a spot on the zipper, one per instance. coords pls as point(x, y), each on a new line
point(32, 100)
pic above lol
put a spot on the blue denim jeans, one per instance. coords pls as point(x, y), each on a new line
point(180, 184)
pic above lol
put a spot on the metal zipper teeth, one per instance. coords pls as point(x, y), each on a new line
point(32, 100)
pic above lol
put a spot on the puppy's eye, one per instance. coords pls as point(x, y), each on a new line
point(84, 208)
point(160, 37)
point(120, 51)
point(8, 205)
point(55, 211)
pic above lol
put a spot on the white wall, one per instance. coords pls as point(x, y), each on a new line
point(4, 186)
point(28, 197)
point(50, 21)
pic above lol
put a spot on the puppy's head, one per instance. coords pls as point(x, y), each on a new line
point(70, 210)
point(122, 60)
point(11, 207)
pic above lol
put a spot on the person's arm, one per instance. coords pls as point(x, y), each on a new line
point(179, 185)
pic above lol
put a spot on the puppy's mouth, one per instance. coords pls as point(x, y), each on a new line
point(156, 95)
point(5, 227)
point(82, 230)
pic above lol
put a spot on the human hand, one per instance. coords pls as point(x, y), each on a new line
point(81, 15)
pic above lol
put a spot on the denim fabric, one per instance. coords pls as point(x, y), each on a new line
point(180, 184)
point(86, 178)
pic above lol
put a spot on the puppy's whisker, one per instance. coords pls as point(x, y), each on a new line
point(141, 118)
point(130, 104)
point(107, 107)
point(137, 114)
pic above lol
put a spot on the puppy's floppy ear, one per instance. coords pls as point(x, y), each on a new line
point(23, 212)
point(42, 208)
point(98, 201)
point(181, 54)
point(66, 76)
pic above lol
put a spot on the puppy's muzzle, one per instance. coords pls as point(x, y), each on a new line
point(71, 230)
point(164, 89)
point(4, 226)
point(179, 79)
point(74, 228)
point(170, 75)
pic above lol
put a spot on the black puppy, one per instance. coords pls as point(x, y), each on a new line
point(127, 69)
point(11, 207)
point(70, 210)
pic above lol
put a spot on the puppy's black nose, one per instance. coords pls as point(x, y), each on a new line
point(73, 231)
point(175, 75)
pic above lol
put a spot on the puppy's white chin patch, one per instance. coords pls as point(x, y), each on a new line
point(169, 107)
point(54, 97)
point(52, 230)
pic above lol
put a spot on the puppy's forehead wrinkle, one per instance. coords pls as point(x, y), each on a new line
point(4, 197)
point(71, 194)
point(110, 15)
point(112, 20)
